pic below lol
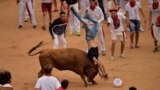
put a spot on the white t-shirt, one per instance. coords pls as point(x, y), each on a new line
point(47, 1)
point(96, 13)
point(133, 12)
point(47, 83)
point(155, 13)
point(121, 17)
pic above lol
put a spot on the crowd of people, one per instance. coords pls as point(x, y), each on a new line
point(92, 14)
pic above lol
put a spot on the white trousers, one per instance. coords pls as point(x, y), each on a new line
point(101, 39)
point(29, 7)
point(56, 41)
point(84, 4)
point(74, 22)
point(156, 33)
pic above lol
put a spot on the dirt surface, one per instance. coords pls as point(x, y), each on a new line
point(140, 68)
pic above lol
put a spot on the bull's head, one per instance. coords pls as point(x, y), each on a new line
point(90, 73)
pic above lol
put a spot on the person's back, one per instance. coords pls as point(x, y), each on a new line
point(47, 81)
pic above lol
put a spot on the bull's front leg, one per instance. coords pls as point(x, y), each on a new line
point(93, 82)
point(84, 80)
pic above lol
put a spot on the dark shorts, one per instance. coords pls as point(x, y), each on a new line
point(93, 52)
point(134, 26)
point(46, 7)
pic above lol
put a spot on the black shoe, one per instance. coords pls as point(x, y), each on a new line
point(34, 26)
point(44, 27)
point(20, 26)
point(105, 76)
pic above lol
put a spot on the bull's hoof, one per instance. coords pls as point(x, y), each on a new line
point(94, 83)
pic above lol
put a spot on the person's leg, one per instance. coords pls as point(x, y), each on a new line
point(131, 38)
point(26, 16)
point(101, 5)
point(113, 48)
point(122, 48)
point(63, 41)
point(76, 24)
point(44, 12)
point(55, 41)
point(101, 40)
point(55, 6)
point(132, 31)
point(31, 13)
point(22, 8)
point(155, 35)
point(137, 24)
point(50, 12)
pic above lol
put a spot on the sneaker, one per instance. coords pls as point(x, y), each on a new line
point(131, 46)
point(104, 52)
point(78, 34)
point(155, 49)
point(34, 26)
point(112, 58)
point(122, 56)
point(71, 34)
point(20, 27)
point(105, 76)
point(44, 27)
point(141, 29)
point(136, 46)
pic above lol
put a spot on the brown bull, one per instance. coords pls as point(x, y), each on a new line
point(67, 59)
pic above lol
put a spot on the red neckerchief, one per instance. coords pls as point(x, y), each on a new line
point(116, 22)
point(132, 4)
point(155, 5)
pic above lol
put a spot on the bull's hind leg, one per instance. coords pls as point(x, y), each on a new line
point(41, 72)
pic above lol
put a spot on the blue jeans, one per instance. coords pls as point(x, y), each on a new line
point(90, 32)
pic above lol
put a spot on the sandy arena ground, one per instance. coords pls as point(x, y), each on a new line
point(140, 68)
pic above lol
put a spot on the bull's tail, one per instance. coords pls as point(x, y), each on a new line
point(34, 48)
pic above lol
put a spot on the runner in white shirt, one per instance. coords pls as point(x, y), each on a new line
point(96, 12)
point(117, 31)
point(47, 81)
point(153, 21)
point(132, 12)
